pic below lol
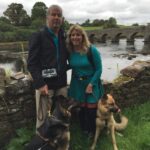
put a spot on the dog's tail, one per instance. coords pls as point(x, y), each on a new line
point(122, 125)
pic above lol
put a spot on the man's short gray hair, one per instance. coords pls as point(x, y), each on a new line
point(52, 7)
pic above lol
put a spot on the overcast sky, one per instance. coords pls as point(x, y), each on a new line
point(126, 12)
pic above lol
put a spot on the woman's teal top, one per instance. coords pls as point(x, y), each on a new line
point(84, 73)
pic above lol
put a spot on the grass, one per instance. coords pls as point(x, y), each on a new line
point(135, 137)
point(93, 28)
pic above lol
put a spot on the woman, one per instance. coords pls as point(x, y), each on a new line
point(84, 86)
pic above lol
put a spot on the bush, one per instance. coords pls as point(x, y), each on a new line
point(23, 34)
point(4, 27)
point(37, 24)
point(1, 36)
point(9, 36)
point(18, 35)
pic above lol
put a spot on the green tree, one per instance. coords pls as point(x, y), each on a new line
point(101, 22)
point(15, 13)
point(86, 23)
point(65, 25)
point(96, 22)
point(39, 11)
point(135, 24)
point(26, 20)
point(112, 22)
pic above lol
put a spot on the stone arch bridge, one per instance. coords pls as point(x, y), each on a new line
point(114, 34)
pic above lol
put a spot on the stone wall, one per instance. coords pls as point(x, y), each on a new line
point(133, 86)
point(17, 104)
point(17, 108)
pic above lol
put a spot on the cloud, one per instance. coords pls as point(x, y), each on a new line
point(125, 11)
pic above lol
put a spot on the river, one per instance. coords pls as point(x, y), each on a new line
point(111, 65)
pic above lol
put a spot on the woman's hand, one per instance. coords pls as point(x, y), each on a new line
point(44, 90)
point(89, 88)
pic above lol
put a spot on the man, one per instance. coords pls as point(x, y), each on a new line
point(47, 61)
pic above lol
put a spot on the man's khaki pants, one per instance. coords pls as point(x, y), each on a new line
point(42, 100)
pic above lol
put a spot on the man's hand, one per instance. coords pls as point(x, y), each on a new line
point(44, 90)
point(89, 88)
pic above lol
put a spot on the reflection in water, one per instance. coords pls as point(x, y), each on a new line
point(139, 43)
point(136, 46)
point(130, 47)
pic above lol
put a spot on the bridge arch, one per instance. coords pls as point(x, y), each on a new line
point(103, 38)
point(131, 37)
point(117, 37)
point(115, 34)
point(92, 37)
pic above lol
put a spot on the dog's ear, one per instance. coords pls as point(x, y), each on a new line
point(104, 98)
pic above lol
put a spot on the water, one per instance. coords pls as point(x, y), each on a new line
point(9, 67)
point(112, 65)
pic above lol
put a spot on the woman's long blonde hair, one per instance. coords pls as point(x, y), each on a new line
point(85, 41)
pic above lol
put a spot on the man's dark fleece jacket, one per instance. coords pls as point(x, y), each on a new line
point(43, 54)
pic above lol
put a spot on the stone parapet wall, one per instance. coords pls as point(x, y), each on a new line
point(17, 103)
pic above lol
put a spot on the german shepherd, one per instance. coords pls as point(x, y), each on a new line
point(54, 133)
point(105, 118)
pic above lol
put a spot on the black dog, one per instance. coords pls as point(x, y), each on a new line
point(54, 134)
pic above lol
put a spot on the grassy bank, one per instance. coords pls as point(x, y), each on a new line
point(135, 137)
point(93, 28)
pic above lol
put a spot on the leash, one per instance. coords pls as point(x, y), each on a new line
point(42, 146)
point(40, 108)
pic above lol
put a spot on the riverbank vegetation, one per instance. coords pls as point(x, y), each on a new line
point(134, 137)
